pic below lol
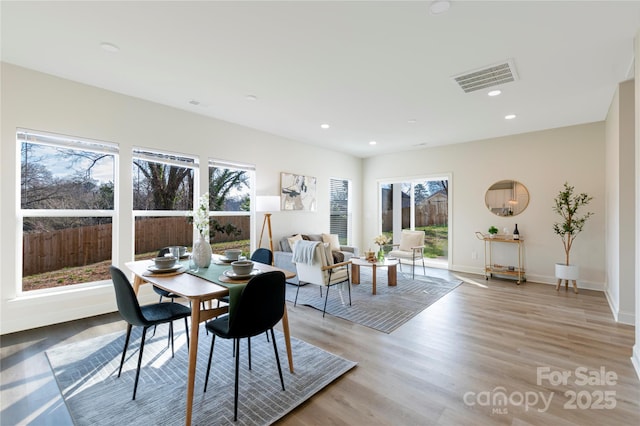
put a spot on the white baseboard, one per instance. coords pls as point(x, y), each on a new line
point(47, 308)
point(623, 317)
point(635, 358)
point(542, 279)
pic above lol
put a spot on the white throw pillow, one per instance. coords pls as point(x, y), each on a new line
point(411, 239)
point(328, 254)
point(333, 240)
point(292, 240)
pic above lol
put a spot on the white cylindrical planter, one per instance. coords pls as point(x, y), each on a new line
point(567, 272)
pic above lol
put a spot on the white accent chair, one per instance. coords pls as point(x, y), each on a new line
point(411, 248)
point(321, 271)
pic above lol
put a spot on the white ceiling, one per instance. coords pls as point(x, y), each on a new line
point(366, 68)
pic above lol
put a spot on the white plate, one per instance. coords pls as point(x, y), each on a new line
point(229, 273)
point(156, 270)
point(185, 256)
point(225, 260)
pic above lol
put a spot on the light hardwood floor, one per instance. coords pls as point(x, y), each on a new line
point(447, 366)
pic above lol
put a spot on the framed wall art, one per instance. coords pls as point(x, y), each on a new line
point(298, 192)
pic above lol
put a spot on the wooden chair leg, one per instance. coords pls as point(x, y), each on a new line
point(558, 285)
point(575, 287)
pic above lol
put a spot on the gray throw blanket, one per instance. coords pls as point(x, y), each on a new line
point(303, 251)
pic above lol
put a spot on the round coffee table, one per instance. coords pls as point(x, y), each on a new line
point(390, 263)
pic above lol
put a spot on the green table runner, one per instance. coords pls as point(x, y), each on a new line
point(212, 274)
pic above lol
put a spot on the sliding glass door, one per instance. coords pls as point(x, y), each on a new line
point(420, 204)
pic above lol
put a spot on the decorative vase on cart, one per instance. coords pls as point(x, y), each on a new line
point(202, 252)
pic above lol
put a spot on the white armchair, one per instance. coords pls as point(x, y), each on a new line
point(314, 265)
point(411, 247)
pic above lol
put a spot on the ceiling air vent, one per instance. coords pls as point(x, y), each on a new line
point(490, 76)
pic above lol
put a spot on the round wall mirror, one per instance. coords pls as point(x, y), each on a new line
point(507, 198)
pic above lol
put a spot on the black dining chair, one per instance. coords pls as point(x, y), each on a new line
point(145, 316)
point(162, 292)
point(260, 306)
point(158, 290)
point(263, 255)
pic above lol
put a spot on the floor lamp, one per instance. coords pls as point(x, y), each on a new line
point(267, 204)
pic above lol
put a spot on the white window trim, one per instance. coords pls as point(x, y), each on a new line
point(69, 142)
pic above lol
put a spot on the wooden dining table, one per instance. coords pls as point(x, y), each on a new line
point(198, 290)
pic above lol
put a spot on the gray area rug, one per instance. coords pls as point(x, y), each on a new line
point(86, 373)
point(387, 310)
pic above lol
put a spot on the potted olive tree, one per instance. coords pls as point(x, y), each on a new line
point(567, 204)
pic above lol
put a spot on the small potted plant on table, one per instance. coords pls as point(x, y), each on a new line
point(492, 231)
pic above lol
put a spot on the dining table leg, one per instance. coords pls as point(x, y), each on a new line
point(193, 357)
point(287, 337)
point(373, 284)
point(137, 281)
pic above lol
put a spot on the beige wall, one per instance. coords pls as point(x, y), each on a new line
point(635, 358)
point(38, 101)
point(542, 161)
point(620, 218)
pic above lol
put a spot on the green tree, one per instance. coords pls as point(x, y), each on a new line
point(163, 187)
point(222, 182)
point(421, 193)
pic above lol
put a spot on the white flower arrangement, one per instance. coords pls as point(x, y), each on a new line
point(201, 215)
point(382, 240)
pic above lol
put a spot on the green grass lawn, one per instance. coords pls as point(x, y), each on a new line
point(435, 240)
point(100, 271)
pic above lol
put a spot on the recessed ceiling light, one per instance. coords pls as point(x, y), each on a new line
point(109, 47)
point(372, 142)
point(194, 102)
point(412, 121)
point(509, 116)
point(439, 7)
point(251, 97)
point(494, 92)
point(324, 126)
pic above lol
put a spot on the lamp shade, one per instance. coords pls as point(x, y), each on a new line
point(268, 203)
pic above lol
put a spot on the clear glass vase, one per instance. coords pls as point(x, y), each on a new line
point(381, 255)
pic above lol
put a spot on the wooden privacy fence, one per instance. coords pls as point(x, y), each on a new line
point(434, 213)
point(52, 251)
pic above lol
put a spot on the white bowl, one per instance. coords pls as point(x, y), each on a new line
point(232, 254)
point(164, 262)
point(242, 267)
